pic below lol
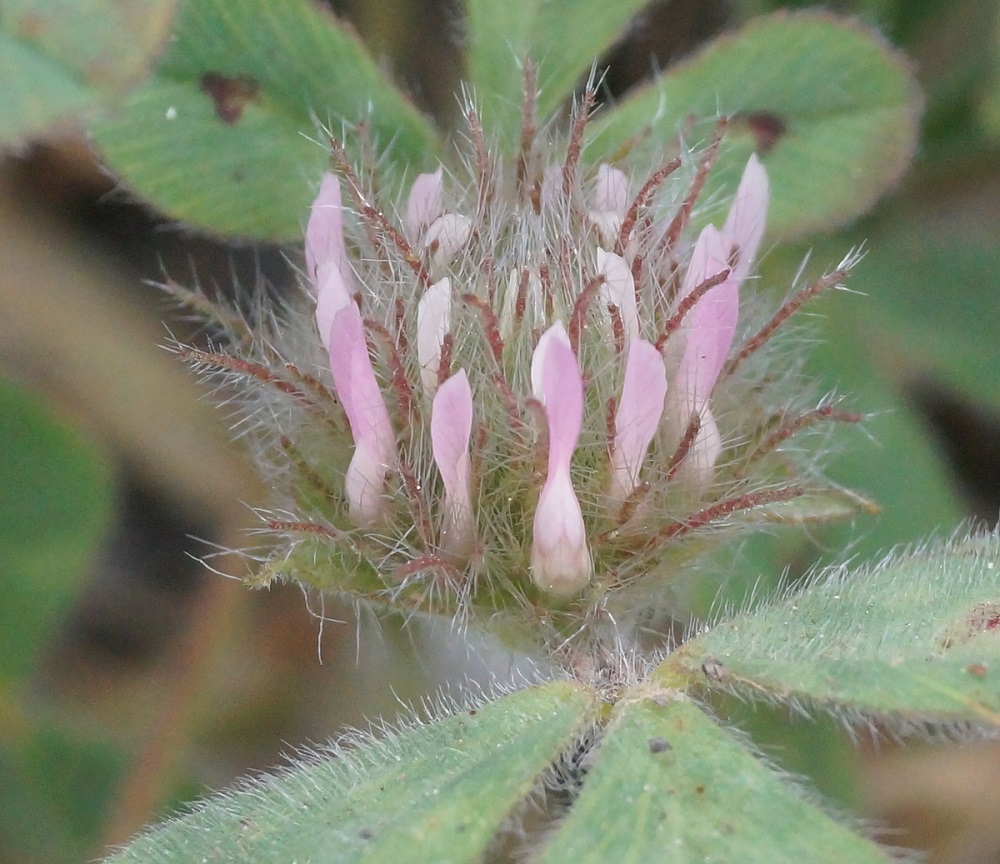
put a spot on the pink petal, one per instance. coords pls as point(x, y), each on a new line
point(433, 322)
point(744, 226)
point(374, 441)
point(451, 429)
point(638, 416)
point(560, 559)
point(710, 332)
point(610, 204)
point(709, 327)
point(708, 258)
point(446, 236)
point(333, 295)
point(424, 204)
point(325, 230)
point(326, 257)
point(619, 289)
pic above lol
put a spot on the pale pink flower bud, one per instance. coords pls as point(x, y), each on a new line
point(424, 204)
point(374, 441)
point(451, 429)
point(711, 325)
point(619, 289)
point(610, 203)
point(560, 559)
point(446, 237)
point(433, 323)
point(332, 295)
point(637, 417)
point(326, 257)
point(325, 232)
point(710, 329)
point(745, 222)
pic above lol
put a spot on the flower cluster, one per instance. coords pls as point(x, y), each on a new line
point(529, 397)
point(707, 305)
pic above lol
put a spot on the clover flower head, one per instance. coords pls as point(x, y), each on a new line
point(536, 383)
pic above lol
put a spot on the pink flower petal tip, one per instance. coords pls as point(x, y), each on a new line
point(433, 323)
point(745, 223)
point(560, 558)
point(374, 441)
point(424, 204)
point(637, 417)
point(619, 290)
point(451, 429)
point(325, 230)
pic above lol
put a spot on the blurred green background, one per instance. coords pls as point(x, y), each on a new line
point(133, 679)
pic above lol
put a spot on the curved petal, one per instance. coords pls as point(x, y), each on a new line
point(374, 441)
point(446, 236)
point(610, 203)
point(560, 559)
point(424, 204)
point(433, 323)
point(451, 429)
point(744, 226)
point(619, 289)
point(710, 332)
point(708, 258)
point(638, 416)
point(333, 295)
point(325, 230)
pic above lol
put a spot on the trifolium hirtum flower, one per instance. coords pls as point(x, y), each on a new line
point(527, 392)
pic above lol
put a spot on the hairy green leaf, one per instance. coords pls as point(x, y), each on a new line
point(915, 639)
point(225, 136)
point(667, 783)
point(55, 504)
point(831, 109)
point(59, 59)
point(561, 37)
point(433, 793)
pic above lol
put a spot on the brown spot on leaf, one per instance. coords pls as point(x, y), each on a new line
point(658, 745)
point(231, 94)
point(976, 670)
point(984, 618)
point(766, 127)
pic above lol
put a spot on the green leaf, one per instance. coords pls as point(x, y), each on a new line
point(931, 280)
point(668, 783)
point(59, 58)
point(860, 350)
point(915, 639)
point(45, 815)
point(225, 136)
point(55, 505)
point(829, 106)
point(562, 37)
point(434, 793)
